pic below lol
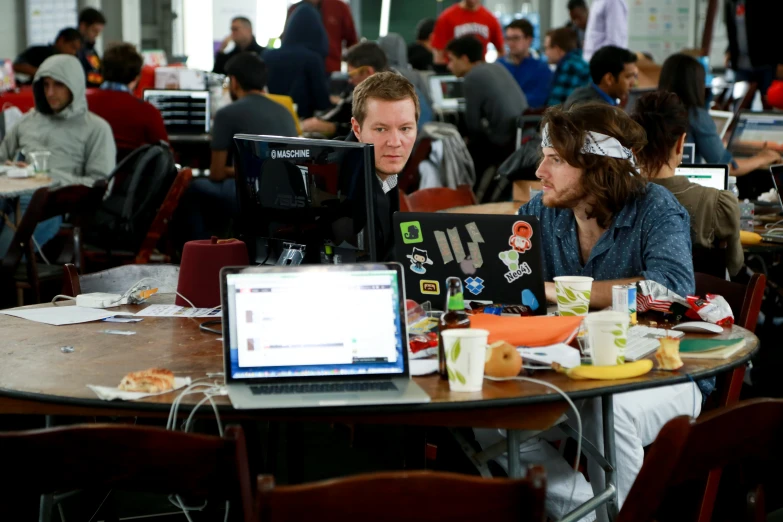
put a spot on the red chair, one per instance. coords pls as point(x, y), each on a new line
point(409, 179)
point(23, 99)
point(441, 198)
point(745, 303)
point(685, 451)
point(421, 496)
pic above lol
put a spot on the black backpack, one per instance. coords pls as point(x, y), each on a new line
point(138, 186)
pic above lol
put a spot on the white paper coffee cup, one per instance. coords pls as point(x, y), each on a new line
point(573, 294)
point(608, 334)
point(466, 350)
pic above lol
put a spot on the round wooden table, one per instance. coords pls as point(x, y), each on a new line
point(36, 377)
point(33, 369)
point(15, 187)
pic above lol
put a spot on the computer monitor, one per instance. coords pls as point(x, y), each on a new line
point(634, 95)
point(755, 130)
point(714, 176)
point(309, 192)
point(184, 112)
point(722, 121)
point(688, 153)
point(446, 92)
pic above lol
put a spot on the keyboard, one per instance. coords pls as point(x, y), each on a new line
point(322, 387)
point(643, 340)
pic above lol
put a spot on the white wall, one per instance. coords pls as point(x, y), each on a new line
point(10, 30)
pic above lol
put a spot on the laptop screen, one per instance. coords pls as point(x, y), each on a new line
point(184, 112)
point(708, 176)
point(446, 91)
point(291, 323)
point(688, 153)
point(754, 131)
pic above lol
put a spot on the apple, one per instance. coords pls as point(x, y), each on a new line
point(503, 360)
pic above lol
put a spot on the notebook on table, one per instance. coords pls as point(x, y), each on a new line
point(316, 335)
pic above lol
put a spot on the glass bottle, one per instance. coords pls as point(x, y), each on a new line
point(454, 317)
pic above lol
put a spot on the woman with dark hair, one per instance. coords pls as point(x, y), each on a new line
point(714, 213)
point(684, 76)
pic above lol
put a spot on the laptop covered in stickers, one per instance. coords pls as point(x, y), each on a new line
point(498, 258)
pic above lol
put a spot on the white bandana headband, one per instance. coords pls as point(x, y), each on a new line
point(595, 143)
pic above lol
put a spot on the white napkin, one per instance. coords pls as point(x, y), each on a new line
point(17, 172)
point(423, 366)
point(108, 393)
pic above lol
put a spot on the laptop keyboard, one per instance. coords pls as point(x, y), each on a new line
point(323, 387)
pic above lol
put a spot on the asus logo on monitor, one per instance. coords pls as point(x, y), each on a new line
point(288, 154)
point(286, 201)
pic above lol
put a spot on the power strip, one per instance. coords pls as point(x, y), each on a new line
point(98, 300)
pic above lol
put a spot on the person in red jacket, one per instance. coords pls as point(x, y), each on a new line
point(133, 122)
point(466, 17)
point(338, 22)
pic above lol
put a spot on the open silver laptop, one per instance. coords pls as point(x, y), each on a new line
point(318, 335)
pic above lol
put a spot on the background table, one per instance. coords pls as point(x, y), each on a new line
point(15, 187)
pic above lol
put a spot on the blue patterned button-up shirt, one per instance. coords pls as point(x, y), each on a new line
point(650, 238)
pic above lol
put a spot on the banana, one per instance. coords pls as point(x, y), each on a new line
point(621, 371)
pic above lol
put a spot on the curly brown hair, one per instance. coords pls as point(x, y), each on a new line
point(609, 183)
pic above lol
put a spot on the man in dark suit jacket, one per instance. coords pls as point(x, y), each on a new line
point(753, 52)
point(244, 40)
point(385, 112)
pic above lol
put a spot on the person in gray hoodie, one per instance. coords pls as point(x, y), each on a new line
point(81, 144)
point(397, 53)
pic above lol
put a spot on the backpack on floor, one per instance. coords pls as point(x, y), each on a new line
point(138, 186)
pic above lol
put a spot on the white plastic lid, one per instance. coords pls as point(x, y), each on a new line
point(733, 179)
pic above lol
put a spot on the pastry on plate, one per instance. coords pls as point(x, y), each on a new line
point(153, 380)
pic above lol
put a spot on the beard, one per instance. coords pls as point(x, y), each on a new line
point(564, 198)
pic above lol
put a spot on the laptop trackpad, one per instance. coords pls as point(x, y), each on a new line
point(332, 399)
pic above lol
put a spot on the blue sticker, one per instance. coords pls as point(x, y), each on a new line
point(529, 299)
point(474, 285)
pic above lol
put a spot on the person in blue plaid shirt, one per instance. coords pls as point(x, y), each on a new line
point(561, 48)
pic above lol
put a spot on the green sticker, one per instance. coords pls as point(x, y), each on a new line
point(411, 232)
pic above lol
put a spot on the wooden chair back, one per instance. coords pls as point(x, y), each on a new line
point(408, 180)
point(744, 300)
point(132, 458)
point(745, 303)
point(160, 224)
point(79, 202)
point(441, 198)
point(685, 451)
point(119, 279)
point(417, 496)
point(404, 205)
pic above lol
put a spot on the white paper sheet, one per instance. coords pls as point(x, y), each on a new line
point(63, 314)
point(178, 311)
point(108, 393)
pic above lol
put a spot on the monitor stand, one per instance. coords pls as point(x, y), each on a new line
point(292, 255)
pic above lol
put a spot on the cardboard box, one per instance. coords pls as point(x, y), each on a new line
point(180, 78)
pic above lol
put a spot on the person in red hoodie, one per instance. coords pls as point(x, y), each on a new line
point(338, 22)
point(133, 122)
point(467, 17)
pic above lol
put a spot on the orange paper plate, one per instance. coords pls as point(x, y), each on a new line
point(527, 331)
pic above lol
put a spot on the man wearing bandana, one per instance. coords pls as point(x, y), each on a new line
point(599, 218)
